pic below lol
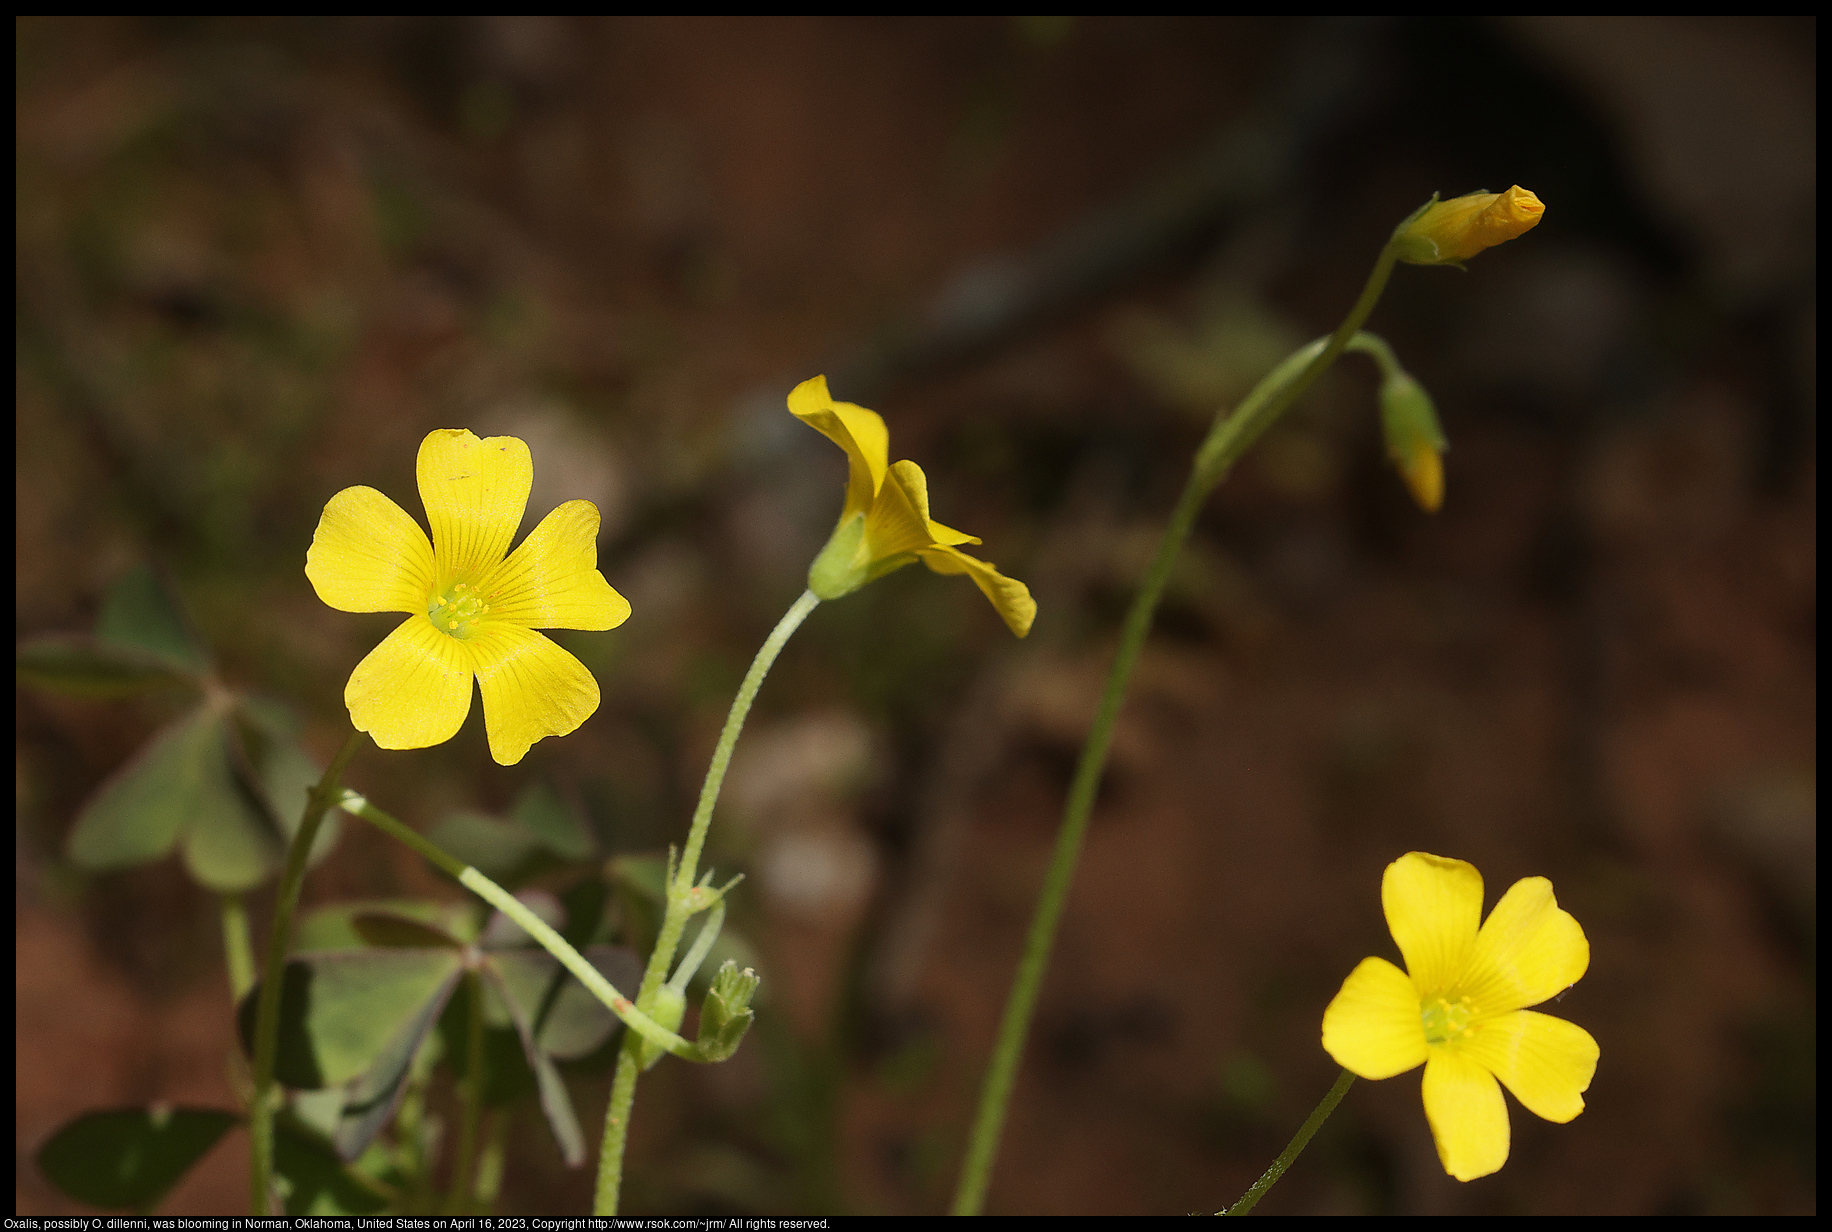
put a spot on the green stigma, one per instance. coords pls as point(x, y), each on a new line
point(455, 611)
point(1444, 1019)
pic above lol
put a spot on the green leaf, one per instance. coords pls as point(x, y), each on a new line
point(78, 666)
point(340, 1011)
point(545, 815)
point(639, 883)
point(503, 851)
point(314, 1181)
point(140, 613)
point(504, 933)
point(576, 1023)
point(646, 875)
point(285, 776)
point(584, 903)
point(129, 1158)
point(556, 1103)
point(506, 1075)
point(385, 929)
point(371, 1098)
point(334, 927)
point(180, 783)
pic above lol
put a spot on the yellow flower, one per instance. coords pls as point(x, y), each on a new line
point(1460, 1007)
point(471, 612)
point(1451, 232)
point(885, 522)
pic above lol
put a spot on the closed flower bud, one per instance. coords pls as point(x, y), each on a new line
point(1451, 232)
point(726, 1013)
point(1415, 442)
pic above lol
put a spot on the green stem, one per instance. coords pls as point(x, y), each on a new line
point(458, 1202)
point(267, 1010)
point(238, 950)
point(683, 902)
point(1299, 1141)
point(490, 1167)
point(1227, 440)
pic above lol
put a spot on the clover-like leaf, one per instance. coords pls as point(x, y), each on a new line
point(129, 1158)
point(140, 614)
point(181, 785)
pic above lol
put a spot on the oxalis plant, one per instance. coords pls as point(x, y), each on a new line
point(354, 1007)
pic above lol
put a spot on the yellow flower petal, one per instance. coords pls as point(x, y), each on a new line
point(475, 493)
point(898, 521)
point(1547, 1062)
point(1469, 1119)
point(1010, 597)
point(531, 688)
point(552, 581)
point(1528, 951)
point(861, 433)
point(413, 690)
point(368, 555)
point(1372, 1026)
point(1433, 906)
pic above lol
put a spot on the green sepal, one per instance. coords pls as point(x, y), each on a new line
point(837, 570)
point(1408, 417)
point(726, 1013)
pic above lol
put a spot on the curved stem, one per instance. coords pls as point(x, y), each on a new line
point(267, 1009)
point(1299, 1141)
point(532, 924)
point(683, 902)
point(1227, 440)
point(238, 950)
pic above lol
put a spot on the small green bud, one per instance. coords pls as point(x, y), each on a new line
point(669, 1008)
point(726, 1013)
point(1415, 442)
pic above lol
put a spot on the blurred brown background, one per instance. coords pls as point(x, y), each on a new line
point(259, 259)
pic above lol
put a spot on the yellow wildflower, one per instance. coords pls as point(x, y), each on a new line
point(885, 522)
point(1451, 232)
point(473, 606)
point(1460, 1007)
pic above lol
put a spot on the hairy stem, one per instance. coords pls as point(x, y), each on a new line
point(1227, 441)
point(683, 902)
point(1289, 1155)
point(267, 1009)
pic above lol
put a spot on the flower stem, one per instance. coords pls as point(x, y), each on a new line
point(238, 950)
point(537, 928)
point(458, 1202)
point(681, 904)
point(267, 1009)
point(1299, 1141)
point(1226, 442)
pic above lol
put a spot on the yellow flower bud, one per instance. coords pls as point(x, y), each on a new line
point(1415, 442)
point(1451, 232)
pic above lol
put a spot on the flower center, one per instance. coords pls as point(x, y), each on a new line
point(1444, 1020)
point(457, 609)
